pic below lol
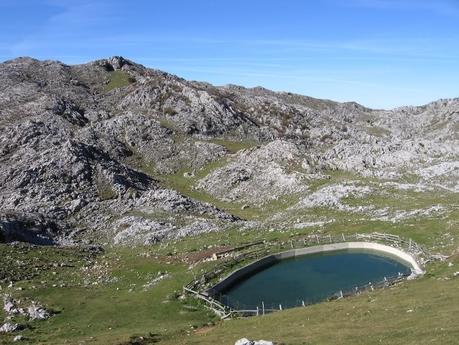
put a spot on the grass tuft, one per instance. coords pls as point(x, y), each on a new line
point(118, 79)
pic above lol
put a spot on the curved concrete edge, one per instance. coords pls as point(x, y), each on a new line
point(395, 253)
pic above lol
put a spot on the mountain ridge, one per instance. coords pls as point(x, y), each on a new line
point(112, 149)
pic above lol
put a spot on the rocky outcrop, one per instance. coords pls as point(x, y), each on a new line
point(331, 196)
point(92, 152)
point(26, 227)
point(32, 311)
point(259, 175)
point(9, 327)
point(37, 312)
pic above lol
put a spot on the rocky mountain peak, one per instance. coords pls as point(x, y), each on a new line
point(99, 148)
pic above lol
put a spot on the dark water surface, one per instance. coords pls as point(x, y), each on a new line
point(310, 278)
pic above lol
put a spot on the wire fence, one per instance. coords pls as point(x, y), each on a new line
point(262, 308)
point(225, 307)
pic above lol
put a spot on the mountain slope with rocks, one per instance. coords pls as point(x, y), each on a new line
point(113, 152)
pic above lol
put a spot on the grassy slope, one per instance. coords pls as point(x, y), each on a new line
point(185, 185)
point(110, 313)
point(105, 313)
point(416, 312)
point(118, 79)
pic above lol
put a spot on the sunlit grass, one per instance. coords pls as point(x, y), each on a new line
point(118, 79)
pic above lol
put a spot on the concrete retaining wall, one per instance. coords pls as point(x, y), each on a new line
point(383, 250)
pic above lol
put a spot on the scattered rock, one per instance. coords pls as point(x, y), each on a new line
point(77, 158)
point(161, 276)
point(9, 327)
point(9, 306)
point(331, 196)
point(36, 312)
point(245, 341)
point(258, 175)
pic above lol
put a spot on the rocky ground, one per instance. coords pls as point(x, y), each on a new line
point(111, 152)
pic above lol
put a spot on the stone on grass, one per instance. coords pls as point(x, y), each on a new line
point(9, 306)
point(37, 312)
point(245, 341)
point(9, 327)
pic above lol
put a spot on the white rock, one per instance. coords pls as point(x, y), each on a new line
point(397, 216)
point(9, 327)
point(257, 175)
point(245, 341)
point(18, 338)
point(330, 196)
point(154, 281)
point(36, 312)
point(9, 306)
point(138, 230)
point(438, 169)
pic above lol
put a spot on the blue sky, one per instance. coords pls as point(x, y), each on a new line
point(380, 53)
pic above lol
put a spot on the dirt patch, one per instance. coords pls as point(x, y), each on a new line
point(204, 330)
point(194, 257)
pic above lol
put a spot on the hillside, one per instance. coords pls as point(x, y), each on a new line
point(113, 152)
point(127, 173)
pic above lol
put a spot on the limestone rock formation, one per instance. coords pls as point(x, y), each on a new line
point(258, 175)
point(9, 327)
point(99, 152)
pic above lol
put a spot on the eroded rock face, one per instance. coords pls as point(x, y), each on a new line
point(258, 175)
point(79, 154)
point(138, 230)
point(331, 196)
point(27, 227)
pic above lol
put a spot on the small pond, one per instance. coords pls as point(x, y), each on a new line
point(310, 278)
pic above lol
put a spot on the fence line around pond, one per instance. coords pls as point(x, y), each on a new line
point(199, 286)
point(262, 308)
